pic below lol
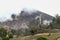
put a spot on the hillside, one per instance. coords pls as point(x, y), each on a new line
point(24, 18)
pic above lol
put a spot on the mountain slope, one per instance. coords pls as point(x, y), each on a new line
point(25, 18)
point(29, 16)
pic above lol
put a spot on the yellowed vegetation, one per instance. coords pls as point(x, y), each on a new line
point(53, 36)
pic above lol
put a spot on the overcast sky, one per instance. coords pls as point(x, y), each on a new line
point(7, 7)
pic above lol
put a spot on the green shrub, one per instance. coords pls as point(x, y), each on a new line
point(5, 38)
point(3, 32)
point(41, 38)
point(10, 35)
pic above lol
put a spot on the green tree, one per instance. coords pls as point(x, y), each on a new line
point(55, 23)
point(3, 32)
point(33, 27)
point(13, 16)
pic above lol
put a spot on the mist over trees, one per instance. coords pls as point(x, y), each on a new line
point(29, 24)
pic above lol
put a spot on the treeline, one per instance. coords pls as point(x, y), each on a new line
point(55, 22)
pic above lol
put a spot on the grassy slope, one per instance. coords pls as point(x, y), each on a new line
point(53, 36)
